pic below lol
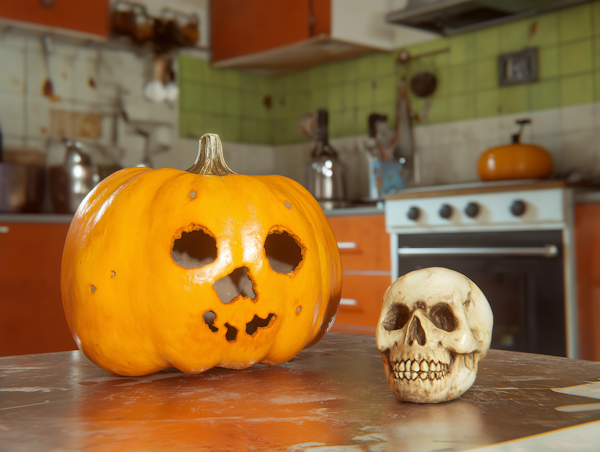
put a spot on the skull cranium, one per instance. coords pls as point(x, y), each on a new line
point(434, 328)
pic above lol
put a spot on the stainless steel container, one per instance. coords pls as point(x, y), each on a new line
point(21, 188)
point(325, 173)
point(71, 182)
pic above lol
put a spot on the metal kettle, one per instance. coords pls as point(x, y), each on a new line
point(325, 172)
point(73, 180)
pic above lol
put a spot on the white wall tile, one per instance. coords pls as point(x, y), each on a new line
point(12, 115)
point(12, 74)
point(578, 117)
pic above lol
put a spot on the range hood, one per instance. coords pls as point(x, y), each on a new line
point(451, 17)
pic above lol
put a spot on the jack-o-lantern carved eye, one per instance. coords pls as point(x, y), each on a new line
point(283, 251)
point(194, 249)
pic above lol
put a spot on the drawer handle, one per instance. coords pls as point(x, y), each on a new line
point(3, 229)
point(542, 251)
point(348, 302)
point(346, 245)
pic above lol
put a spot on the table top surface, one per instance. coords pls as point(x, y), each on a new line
point(332, 396)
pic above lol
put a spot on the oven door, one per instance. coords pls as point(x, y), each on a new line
point(520, 273)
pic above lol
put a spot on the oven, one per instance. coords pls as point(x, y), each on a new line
point(514, 241)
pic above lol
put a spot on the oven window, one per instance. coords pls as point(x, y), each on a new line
point(526, 293)
point(507, 296)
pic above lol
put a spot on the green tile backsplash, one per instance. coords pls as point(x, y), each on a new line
point(251, 108)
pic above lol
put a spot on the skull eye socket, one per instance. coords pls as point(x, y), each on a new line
point(283, 251)
point(442, 317)
point(396, 317)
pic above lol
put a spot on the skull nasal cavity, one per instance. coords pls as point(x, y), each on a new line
point(416, 332)
point(194, 249)
point(283, 252)
point(233, 285)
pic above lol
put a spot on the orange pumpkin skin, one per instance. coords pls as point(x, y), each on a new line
point(133, 310)
point(515, 161)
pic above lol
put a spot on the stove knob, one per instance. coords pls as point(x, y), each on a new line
point(413, 213)
point(446, 211)
point(517, 208)
point(472, 209)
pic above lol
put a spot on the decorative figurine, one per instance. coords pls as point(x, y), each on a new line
point(434, 328)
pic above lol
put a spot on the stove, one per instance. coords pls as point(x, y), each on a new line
point(514, 239)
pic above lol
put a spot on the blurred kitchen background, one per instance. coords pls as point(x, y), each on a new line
point(257, 68)
point(331, 93)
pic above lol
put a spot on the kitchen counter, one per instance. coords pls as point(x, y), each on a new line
point(332, 394)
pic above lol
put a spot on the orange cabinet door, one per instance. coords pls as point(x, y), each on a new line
point(587, 249)
point(88, 16)
point(32, 320)
point(361, 304)
point(242, 27)
point(364, 243)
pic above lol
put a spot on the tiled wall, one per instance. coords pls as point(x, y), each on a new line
point(569, 51)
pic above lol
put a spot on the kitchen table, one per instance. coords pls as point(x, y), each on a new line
point(332, 396)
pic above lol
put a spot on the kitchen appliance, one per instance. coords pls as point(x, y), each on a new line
point(21, 188)
point(71, 181)
point(513, 239)
point(516, 160)
point(450, 17)
point(325, 172)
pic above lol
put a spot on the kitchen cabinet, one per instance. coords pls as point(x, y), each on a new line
point(280, 37)
point(587, 248)
point(32, 319)
point(89, 17)
point(365, 252)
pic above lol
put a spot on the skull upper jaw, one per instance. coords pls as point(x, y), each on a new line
point(456, 377)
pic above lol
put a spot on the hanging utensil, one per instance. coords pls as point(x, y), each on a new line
point(47, 87)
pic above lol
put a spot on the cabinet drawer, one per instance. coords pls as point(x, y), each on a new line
point(363, 242)
point(30, 259)
point(362, 297)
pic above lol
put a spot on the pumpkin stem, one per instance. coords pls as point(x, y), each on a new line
point(210, 160)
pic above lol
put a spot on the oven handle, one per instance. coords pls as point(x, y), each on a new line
point(539, 251)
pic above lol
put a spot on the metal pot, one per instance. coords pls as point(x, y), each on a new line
point(21, 188)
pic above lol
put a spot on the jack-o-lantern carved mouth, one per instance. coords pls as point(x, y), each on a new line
point(251, 327)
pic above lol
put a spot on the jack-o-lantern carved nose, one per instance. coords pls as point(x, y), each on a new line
point(416, 332)
point(235, 284)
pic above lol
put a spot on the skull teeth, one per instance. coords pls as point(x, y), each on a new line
point(422, 370)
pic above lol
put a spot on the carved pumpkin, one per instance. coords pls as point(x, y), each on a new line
point(167, 268)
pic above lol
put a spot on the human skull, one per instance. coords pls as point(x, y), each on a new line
point(434, 328)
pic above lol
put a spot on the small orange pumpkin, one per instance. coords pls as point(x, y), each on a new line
point(167, 268)
point(515, 161)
